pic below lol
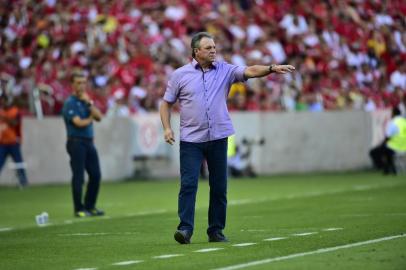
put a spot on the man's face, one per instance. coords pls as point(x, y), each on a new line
point(79, 85)
point(207, 50)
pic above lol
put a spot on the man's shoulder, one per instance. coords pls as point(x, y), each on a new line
point(180, 72)
point(184, 68)
point(400, 119)
point(70, 99)
point(221, 64)
point(69, 103)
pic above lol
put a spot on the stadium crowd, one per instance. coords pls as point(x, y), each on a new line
point(349, 54)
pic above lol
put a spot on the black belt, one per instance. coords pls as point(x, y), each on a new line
point(82, 139)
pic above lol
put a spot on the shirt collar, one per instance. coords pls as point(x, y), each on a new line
point(196, 65)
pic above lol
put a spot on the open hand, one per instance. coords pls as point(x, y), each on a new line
point(282, 69)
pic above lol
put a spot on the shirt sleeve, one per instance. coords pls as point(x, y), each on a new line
point(70, 111)
point(237, 73)
point(391, 129)
point(172, 89)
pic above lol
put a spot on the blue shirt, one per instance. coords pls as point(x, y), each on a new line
point(76, 107)
point(203, 99)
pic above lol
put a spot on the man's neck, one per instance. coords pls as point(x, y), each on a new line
point(205, 65)
point(76, 94)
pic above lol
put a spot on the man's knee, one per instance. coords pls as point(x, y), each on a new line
point(188, 185)
point(95, 176)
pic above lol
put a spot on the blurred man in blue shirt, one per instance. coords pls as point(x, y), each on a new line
point(79, 113)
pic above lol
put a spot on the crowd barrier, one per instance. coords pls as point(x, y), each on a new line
point(294, 142)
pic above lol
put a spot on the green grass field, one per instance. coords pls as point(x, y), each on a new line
point(318, 221)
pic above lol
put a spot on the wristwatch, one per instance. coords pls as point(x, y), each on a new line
point(271, 70)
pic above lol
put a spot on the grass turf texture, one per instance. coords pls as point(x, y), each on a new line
point(143, 219)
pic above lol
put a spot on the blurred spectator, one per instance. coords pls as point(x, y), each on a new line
point(398, 77)
point(10, 138)
point(132, 44)
point(118, 105)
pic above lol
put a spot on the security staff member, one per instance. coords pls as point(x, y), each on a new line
point(78, 113)
point(394, 142)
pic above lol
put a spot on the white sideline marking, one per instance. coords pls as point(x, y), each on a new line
point(82, 234)
point(304, 234)
point(317, 251)
point(313, 194)
point(96, 234)
point(86, 269)
point(357, 215)
point(207, 250)
point(127, 262)
point(145, 213)
point(244, 244)
point(166, 256)
point(332, 229)
point(274, 238)
point(242, 201)
point(5, 229)
point(361, 187)
point(395, 214)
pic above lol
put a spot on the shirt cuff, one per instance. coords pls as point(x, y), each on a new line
point(168, 97)
point(239, 74)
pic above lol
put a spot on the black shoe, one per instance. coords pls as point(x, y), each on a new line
point(82, 214)
point(22, 184)
point(217, 237)
point(95, 212)
point(182, 236)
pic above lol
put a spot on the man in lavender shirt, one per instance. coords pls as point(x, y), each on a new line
point(202, 87)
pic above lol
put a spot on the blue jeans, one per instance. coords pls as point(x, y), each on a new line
point(191, 158)
point(83, 156)
point(14, 151)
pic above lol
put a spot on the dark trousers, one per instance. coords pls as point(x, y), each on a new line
point(84, 157)
point(383, 158)
point(14, 150)
point(191, 158)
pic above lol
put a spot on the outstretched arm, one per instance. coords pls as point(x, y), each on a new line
point(261, 71)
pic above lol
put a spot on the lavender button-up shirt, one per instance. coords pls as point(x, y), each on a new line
point(203, 99)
